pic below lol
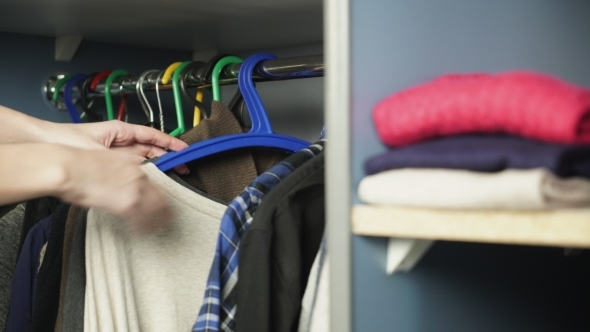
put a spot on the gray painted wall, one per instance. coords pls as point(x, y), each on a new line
point(460, 286)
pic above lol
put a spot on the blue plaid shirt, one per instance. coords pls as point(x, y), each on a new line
point(218, 311)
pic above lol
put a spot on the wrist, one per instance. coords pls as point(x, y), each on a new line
point(61, 172)
point(47, 132)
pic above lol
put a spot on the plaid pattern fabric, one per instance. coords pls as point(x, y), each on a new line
point(218, 311)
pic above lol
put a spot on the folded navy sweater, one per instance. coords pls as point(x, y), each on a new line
point(486, 153)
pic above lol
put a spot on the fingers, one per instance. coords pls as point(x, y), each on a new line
point(142, 150)
point(182, 170)
point(146, 135)
point(149, 151)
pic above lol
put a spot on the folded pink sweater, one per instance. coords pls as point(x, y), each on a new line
point(521, 103)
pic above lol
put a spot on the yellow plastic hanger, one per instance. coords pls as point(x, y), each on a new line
point(197, 114)
point(169, 72)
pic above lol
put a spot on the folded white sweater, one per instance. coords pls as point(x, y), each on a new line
point(532, 189)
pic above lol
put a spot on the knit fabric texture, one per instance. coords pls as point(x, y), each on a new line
point(24, 275)
point(513, 189)
point(73, 215)
point(47, 286)
point(10, 225)
point(224, 175)
point(486, 153)
point(75, 292)
point(521, 103)
point(150, 281)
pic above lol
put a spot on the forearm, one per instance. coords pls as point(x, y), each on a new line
point(30, 170)
point(16, 127)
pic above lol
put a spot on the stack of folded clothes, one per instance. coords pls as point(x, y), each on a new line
point(516, 140)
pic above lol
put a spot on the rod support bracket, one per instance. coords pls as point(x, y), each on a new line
point(404, 254)
point(66, 47)
point(203, 55)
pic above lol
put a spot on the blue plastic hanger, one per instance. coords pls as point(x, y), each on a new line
point(68, 97)
point(261, 134)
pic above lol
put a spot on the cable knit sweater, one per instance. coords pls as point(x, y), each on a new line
point(521, 103)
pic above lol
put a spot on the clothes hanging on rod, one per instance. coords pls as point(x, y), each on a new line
point(75, 278)
point(150, 282)
point(260, 134)
point(4, 209)
point(35, 210)
point(67, 246)
point(47, 285)
point(315, 306)
point(113, 238)
point(23, 279)
point(277, 252)
point(97, 274)
point(219, 308)
point(220, 176)
point(225, 175)
point(10, 228)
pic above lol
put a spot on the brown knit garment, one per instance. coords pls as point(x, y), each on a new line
point(68, 237)
point(224, 175)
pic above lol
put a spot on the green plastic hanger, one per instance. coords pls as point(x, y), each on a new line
point(58, 85)
point(178, 99)
point(228, 60)
point(107, 91)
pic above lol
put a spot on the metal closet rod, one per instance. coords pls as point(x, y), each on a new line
point(270, 70)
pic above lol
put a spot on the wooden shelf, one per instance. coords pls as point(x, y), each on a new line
point(562, 228)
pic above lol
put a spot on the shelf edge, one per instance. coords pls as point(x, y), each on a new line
point(561, 228)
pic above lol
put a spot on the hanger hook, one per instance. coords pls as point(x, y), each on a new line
point(258, 116)
point(169, 71)
point(160, 101)
point(178, 100)
point(147, 108)
point(107, 90)
point(68, 97)
point(197, 102)
point(140, 97)
point(58, 85)
point(228, 60)
point(100, 76)
point(86, 105)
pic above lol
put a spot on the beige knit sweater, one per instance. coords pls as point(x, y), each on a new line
point(150, 282)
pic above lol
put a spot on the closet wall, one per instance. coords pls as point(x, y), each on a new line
point(460, 286)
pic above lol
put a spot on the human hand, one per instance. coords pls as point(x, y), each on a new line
point(17, 127)
point(104, 179)
point(140, 141)
point(113, 182)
